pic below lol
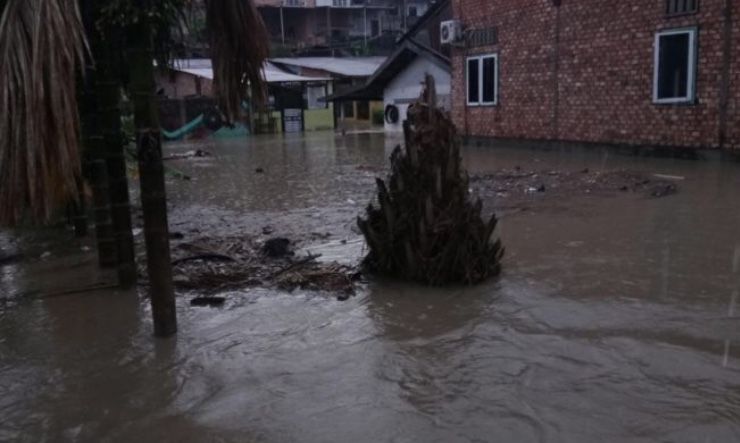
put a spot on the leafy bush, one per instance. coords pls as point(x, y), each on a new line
point(378, 117)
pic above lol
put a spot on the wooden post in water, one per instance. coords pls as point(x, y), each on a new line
point(151, 173)
point(107, 253)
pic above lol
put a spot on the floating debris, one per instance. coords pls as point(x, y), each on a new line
point(198, 153)
point(515, 183)
point(10, 259)
point(277, 247)
point(214, 265)
point(663, 189)
point(669, 177)
point(208, 301)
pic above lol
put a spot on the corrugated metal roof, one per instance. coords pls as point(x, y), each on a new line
point(406, 53)
point(346, 66)
point(273, 74)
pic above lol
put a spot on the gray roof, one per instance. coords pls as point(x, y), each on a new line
point(272, 74)
point(344, 66)
point(406, 53)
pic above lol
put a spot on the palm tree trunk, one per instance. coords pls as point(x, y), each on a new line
point(151, 173)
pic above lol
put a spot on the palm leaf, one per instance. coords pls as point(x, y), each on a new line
point(239, 48)
point(42, 45)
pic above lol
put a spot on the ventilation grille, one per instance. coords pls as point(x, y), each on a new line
point(680, 7)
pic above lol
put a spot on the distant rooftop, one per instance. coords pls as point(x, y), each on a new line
point(273, 74)
point(345, 66)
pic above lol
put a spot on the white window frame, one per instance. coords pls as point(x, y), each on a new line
point(690, 79)
point(480, 59)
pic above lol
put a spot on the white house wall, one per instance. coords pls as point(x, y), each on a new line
point(406, 88)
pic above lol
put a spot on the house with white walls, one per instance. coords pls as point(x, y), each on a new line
point(398, 81)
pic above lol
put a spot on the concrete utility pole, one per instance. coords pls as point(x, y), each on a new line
point(282, 25)
point(404, 16)
point(328, 30)
point(364, 21)
point(151, 176)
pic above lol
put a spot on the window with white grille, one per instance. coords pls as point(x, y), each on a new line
point(680, 7)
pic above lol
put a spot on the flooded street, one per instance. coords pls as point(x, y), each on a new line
point(615, 319)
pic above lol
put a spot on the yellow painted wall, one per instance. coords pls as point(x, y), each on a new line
point(261, 119)
point(374, 106)
point(318, 119)
point(279, 118)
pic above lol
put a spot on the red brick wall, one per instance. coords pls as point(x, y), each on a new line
point(734, 114)
point(603, 88)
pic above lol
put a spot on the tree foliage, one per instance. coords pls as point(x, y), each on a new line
point(166, 17)
point(239, 47)
point(42, 47)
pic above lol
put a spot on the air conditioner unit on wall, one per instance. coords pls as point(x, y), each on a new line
point(450, 32)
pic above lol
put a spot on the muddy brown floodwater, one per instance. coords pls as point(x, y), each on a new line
point(615, 318)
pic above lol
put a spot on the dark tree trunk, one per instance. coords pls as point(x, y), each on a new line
point(93, 152)
point(108, 91)
point(102, 98)
point(79, 211)
point(107, 252)
point(151, 173)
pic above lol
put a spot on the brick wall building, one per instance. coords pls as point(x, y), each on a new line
point(642, 72)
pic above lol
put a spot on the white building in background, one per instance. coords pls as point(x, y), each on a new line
point(398, 81)
point(406, 86)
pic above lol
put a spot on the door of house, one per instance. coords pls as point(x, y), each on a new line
point(292, 120)
point(348, 109)
point(290, 101)
point(363, 110)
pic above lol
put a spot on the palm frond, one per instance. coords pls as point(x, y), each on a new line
point(42, 45)
point(239, 48)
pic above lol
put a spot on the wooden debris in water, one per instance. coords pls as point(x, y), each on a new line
point(425, 226)
point(212, 265)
